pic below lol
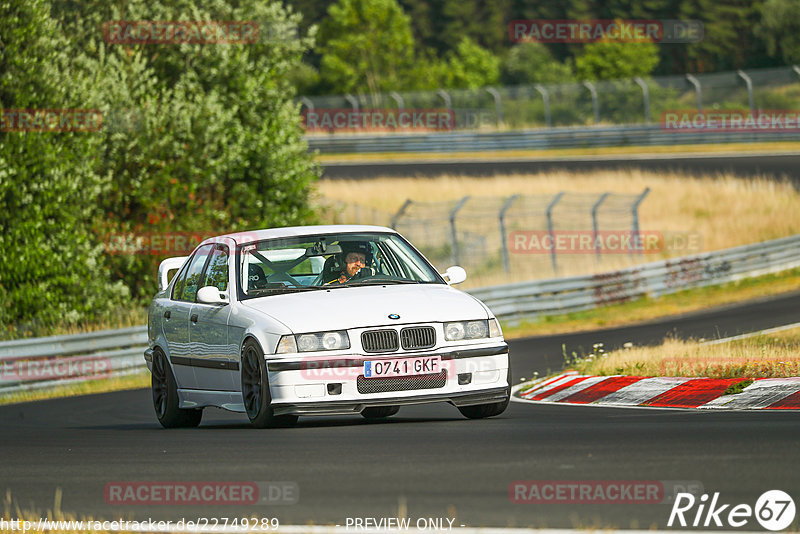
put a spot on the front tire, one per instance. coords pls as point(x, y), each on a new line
point(379, 412)
point(255, 390)
point(165, 396)
point(481, 411)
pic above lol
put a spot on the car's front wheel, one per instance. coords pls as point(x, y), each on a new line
point(379, 412)
point(480, 411)
point(255, 390)
point(165, 396)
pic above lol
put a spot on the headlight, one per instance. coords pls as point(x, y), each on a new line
point(466, 330)
point(313, 342)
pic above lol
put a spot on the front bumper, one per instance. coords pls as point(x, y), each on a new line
point(349, 407)
point(334, 386)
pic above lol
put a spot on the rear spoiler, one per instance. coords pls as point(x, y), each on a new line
point(165, 267)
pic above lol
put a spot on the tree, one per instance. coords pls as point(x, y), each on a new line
point(529, 63)
point(471, 66)
point(366, 46)
point(204, 138)
point(780, 29)
point(51, 268)
point(614, 60)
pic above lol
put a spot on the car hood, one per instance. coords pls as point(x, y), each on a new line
point(359, 307)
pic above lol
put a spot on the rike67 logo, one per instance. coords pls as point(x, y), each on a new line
point(774, 510)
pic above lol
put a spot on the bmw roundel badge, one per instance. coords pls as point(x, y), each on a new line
point(393, 316)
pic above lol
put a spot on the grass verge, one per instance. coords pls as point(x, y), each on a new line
point(775, 355)
point(134, 381)
point(647, 308)
point(732, 148)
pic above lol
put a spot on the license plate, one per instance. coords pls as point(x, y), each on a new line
point(425, 365)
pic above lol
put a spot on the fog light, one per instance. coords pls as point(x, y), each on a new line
point(464, 378)
point(335, 389)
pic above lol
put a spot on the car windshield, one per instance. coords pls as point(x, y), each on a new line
point(330, 261)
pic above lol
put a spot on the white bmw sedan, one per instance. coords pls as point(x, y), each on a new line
point(318, 320)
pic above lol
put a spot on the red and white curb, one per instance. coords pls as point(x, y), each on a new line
point(661, 392)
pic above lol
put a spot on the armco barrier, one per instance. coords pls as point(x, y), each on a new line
point(538, 139)
point(59, 360)
point(514, 302)
point(51, 361)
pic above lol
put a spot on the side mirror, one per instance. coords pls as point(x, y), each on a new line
point(455, 275)
point(211, 295)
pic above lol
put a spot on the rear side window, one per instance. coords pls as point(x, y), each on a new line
point(186, 287)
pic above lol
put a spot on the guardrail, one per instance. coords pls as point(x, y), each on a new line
point(58, 360)
point(526, 300)
point(539, 139)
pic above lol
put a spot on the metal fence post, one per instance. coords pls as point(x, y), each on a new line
point(546, 101)
point(635, 216)
point(549, 214)
point(400, 212)
point(595, 207)
point(595, 105)
point(453, 235)
point(698, 90)
point(446, 97)
point(645, 97)
point(307, 103)
point(399, 99)
point(497, 104)
point(501, 217)
point(750, 98)
point(353, 102)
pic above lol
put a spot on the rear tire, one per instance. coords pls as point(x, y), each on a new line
point(165, 396)
point(255, 390)
point(379, 412)
point(481, 411)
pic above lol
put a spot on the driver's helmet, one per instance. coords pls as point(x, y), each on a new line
point(356, 246)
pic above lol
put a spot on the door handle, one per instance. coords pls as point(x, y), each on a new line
point(194, 317)
point(167, 314)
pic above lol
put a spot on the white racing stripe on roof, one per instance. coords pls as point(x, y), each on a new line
point(641, 391)
point(759, 394)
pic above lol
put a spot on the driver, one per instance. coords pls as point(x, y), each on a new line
point(355, 256)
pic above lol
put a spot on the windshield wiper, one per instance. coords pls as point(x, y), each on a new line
point(277, 291)
point(382, 282)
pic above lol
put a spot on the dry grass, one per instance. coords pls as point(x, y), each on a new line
point(725, 210)
point(647, 309)
point(775, 355)
point(88, 387)
point(719, 211)
point(727, 148)
point(134, 315)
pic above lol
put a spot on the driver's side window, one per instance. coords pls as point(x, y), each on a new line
point(186, 287)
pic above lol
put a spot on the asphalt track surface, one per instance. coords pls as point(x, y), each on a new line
point(431, 459)
point(746, 165)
